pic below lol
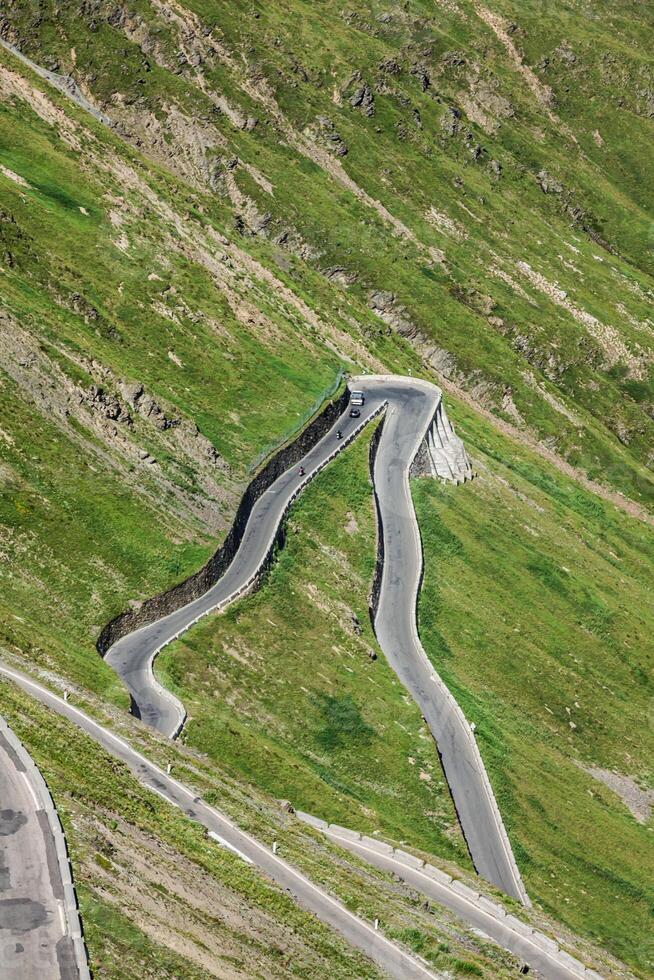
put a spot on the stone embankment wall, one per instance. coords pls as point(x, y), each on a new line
point(198, 583)
point(442, 453)
point(379, 560)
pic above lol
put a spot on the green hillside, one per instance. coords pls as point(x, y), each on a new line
point(286, 191)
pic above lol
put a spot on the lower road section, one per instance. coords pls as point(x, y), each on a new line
point(39, 926)
point(535, 950)
point(394, 960)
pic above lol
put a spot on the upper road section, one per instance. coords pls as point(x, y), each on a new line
point(132, 656)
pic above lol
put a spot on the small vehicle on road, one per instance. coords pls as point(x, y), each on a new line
point(355, 412)
point(357, 398)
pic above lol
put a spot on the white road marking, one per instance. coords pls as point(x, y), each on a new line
point(230, 847)
point(37, 805)
point(62, 918)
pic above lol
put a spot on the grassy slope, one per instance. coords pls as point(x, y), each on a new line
point(536, 611)
point(71, 512)
point(142, 867)
point(83, 535)
point(497, 333)
point(525, 614)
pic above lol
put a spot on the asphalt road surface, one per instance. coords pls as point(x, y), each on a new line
point(538, 951)
point(410, 411)
point(394, 960)
point(410, 406)
point(132, 656)
point(34, 940)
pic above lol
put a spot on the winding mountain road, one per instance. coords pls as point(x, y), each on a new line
point(393, 959)
point(132, 656)
point(414, 417)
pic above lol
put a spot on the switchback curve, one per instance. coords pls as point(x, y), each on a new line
point(414, 418)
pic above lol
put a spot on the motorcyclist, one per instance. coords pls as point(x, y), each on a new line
point(302, 471)
point(339, 434)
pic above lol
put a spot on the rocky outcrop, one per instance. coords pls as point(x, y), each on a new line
point(117, 421)
point(420, 72)
point(147, 407)
point(107, 404)
point(340, 275)
point(450, 121)
point(363, 99)
point(548, 184)
point(386, 306)
point(326, 135)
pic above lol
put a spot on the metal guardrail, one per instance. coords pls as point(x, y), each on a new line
point(544, 943)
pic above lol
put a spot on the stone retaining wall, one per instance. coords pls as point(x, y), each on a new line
point(375, 588)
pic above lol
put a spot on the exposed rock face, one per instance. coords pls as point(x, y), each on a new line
point(339, 274)
point(386, 307)
point(364, 99)
point(548, 184)
point(188, 436)
point(442, 361)
point(389, 67)
point(105, 419)
point(107, 404)
point(327, 136)
point(450, 121)
point(421, 73)
point(147, 407)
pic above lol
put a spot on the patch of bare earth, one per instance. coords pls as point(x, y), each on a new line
point(639, 801)
point(542, 92)
point(14, 86)
point(607, 337)
point(180, 906)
